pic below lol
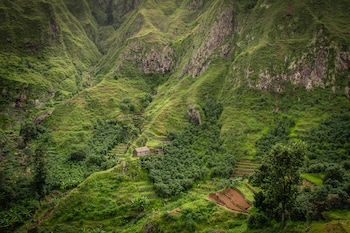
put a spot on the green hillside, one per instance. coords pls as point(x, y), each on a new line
point(208, 83)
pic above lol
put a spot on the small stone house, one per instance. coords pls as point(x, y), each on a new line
point(141, 151)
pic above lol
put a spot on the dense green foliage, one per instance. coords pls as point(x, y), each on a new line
point(91, 156)
point(28, 131)
point(333, 194)
point(280, 70)
point(279, 179)
point(40, 172)
point(193, 155)
point(330, 141)
point(44, 171)
point(107, 134)
point(18, 189)
point(306, 203)
point(279, 133)
point(328, 156)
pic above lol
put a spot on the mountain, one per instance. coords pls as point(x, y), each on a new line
point(99, 76)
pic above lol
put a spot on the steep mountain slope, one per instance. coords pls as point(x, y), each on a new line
point(74, 66)
point(270, 47)
point(272, 57)
point(46, 55)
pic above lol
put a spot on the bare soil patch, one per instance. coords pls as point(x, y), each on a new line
point(233, 199)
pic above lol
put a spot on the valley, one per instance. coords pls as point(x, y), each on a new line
point(212, 88)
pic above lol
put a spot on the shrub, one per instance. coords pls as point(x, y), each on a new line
point(330, 141)
point(346, 165)
point(337, 199)
point(152, 227)
point(279, 133)
point(139, 203)
point(28, 131)
point(258, 221)
point(79, 153)
point(335, 172)
point(301, 206)
point(95, 160)
point(317, 168)
point(127, 105)
point(145, 99)
point(194, 154)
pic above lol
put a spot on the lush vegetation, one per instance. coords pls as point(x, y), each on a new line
point(278, 133)
point(91, 156)
point(325, 144)
point(279, 179)
point(85, 82)
point(193, 155)
point(330, 142)
point(41, 171)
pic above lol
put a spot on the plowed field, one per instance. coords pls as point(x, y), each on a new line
point(232, 199)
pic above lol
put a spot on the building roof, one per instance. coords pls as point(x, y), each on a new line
point(142, 149)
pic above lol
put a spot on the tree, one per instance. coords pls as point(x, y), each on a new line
point(279, 176)
point(40, 171)
point(110, 16)
point(78, 153)
point(140, 203)
point(28, 131)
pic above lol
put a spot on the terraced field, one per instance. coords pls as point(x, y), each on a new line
point(233, 199)
point(245, 168)
point(119, 150)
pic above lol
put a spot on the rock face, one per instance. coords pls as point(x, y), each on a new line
point(156, 58)
point(56, 47)
point(195, 4)
point(220, 31)
point(150, 52)
point(316, 67)
point(194, 114)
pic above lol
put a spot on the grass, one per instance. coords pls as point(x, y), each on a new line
point(332, 226)
point(104, 200)
point(313, 178)
point(338, 214)
point(246, 191)
point(78, 114)
point(267, 43)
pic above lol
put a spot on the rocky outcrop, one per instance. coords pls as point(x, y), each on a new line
point(195, 4)
point(220, 30)
point(316, 67)
point(156, 60)
point(194, 114)
point(151, 58)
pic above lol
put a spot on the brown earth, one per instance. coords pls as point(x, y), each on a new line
point(232, 199)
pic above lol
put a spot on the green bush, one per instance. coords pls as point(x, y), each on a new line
point(145, 99)
point(317, 168)
point(279, 133)
point(152, 227)
point(127, 105)
point(258, 221)
point(330, 141)
point(95, 160)
point(194, 154)
point(28, 131)
point(337, 173)
point(79, 153)
point(139, 203)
